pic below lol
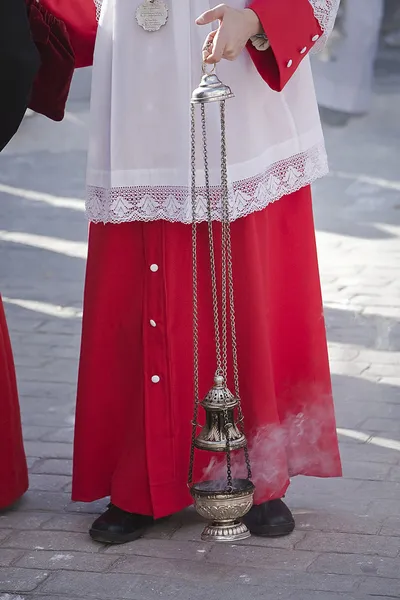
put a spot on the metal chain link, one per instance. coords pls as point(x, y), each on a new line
point(195, 293)
point(227, 250)
point(211, 242)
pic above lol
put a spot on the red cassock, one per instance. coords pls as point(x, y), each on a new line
point(13, 469)
point(135, 391)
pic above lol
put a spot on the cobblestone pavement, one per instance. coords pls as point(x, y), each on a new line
point(347, 542)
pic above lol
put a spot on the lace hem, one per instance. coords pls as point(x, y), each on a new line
point(98, 4)
point(124, 204)
point(325, 12)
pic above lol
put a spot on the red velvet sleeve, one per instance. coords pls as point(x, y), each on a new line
point(292, 30)
point(79, 17)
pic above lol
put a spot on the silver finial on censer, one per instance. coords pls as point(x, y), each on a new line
point(222, 502)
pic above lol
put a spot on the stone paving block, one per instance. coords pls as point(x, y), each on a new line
point(48, 449)
point(52, 597)
point(50, 373)
point(369, 453)
point(49, 343)
point(33, 433)
point(71, 522)
point(31, 461)
point(20, 580)
point(392, 300)
point(61, 327)
point(393, 381)
point(349, 416)
point(63, 434)
point(54, 391)
point(356, 564)
point(332, 596)
point(366, 470)
point(29, 360)
point(236, 574)
point(52, 419)
point(259, 557)
point(341, 353)
point(337, 486)
point(188, 532)
point(90, 508)
point(339, 522)
point(71, 352)
point(164, 529)
point(66, 560)
point(336, 504)
point(285, 543)
point(42, 501)
point(5, 533)
point(26, 326)
point(7, 557)
point(23, 520)
point(380, 489)
point(193, 551)
point(375, 357)
point(385, 508)
point(350, 543)
point(373, 586)
point(383, 370)
point(145, 587)
point(391, 526)
point(52, 540)
point(51, 483)
point(53, 466)
point(387, 425)
point(345, 367)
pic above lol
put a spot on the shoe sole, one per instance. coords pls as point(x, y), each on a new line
point(115, 538)
point(272, 532)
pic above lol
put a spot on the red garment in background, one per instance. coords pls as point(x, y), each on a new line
point(52, 84)
point(79, 17)
point(13, 468)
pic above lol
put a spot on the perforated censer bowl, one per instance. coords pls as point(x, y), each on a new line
point(224, 510)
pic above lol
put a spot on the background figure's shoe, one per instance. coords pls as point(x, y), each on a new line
point(270, 519)
point(116, 526)
point(393, 39)
point(334, 118)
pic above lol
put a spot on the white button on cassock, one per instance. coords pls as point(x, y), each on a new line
point(155, 379)
point(154, 268)
point(303, 50)
point(315, 38)
point(153, 323)
point(289, 63)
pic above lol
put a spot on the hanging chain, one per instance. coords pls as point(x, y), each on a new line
point(211, 243)
point(195, 293)
point(227, 250)
point(222, 361)
point(227, 290)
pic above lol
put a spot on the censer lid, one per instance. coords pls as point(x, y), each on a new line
point(211, 89)
point(219, 397)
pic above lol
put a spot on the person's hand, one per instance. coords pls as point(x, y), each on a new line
point(235, 29)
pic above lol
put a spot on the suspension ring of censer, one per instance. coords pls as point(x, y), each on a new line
point(223, 502)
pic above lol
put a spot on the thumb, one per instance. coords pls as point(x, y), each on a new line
point(215, 14)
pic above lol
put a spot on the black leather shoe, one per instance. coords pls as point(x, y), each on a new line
point(270, 519)
point(116, 526)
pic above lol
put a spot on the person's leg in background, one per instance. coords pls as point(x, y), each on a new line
point(344, 81)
